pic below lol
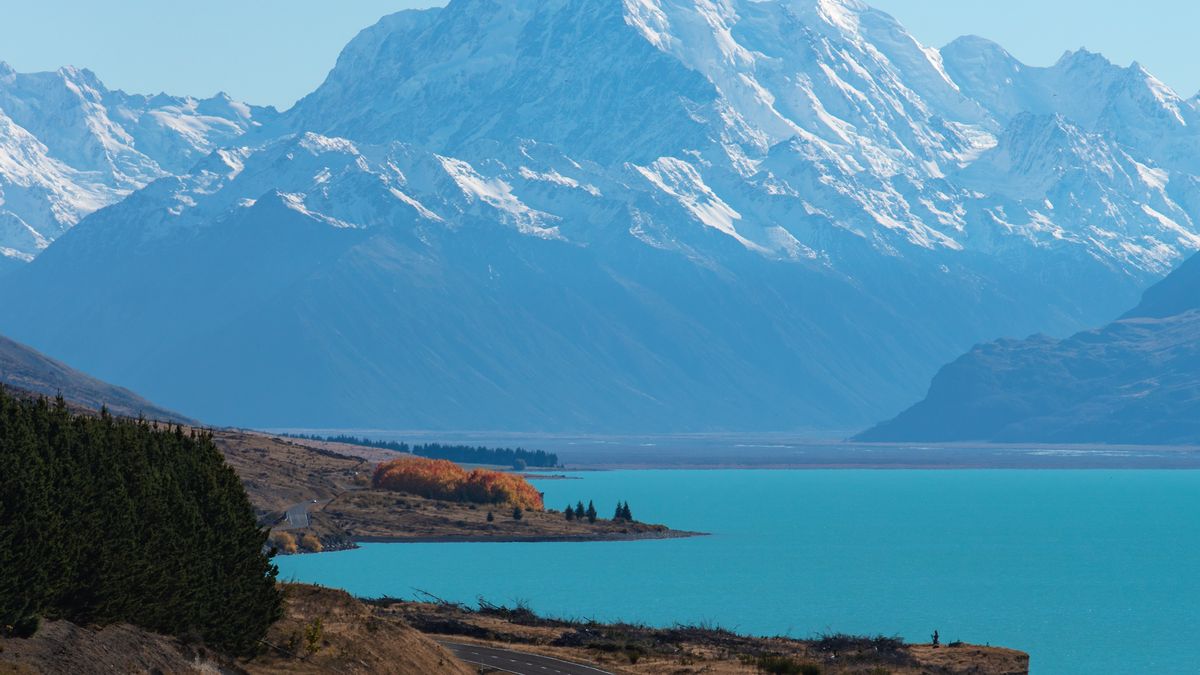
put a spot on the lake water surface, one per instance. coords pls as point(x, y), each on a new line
point(1089, 571)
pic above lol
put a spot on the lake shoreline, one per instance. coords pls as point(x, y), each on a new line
point(533, 539)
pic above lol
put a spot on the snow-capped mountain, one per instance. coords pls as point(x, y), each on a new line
point(781, 110)
point(627, 214)
point(69, 146)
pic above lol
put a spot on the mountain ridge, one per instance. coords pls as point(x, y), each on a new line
point(24, 370)
point(753, 215)
point(70, 146)
point(1132, 381)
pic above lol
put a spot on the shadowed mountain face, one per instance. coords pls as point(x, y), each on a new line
point(1136, 380)
point(25, 370)
point(609, 215)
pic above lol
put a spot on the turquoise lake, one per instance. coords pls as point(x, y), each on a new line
point(1088, 571)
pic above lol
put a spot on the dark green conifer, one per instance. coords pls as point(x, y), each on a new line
point(104, 520)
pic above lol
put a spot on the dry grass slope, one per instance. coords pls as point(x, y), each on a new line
point(327, 631)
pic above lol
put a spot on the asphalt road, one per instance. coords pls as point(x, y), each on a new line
point(297, 516)
point(506, 661)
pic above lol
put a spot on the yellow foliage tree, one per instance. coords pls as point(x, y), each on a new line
point(442, 479)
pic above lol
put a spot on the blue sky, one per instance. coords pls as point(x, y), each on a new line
point(274, 51)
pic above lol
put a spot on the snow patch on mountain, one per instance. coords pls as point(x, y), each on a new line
point(69, 146)
point(499, 195)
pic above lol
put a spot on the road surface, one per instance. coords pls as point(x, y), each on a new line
point(506, 661)
point(296, 516)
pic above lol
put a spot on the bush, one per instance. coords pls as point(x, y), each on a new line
point(314, 634)
point(311, 543)
point(284, 542)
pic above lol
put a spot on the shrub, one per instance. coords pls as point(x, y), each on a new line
point(311, 543)
point(284, 542)
point(313, 635)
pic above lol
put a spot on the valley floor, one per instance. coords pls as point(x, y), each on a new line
point(785, 450)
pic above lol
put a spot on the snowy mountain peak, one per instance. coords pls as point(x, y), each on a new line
point(70, 146)
point(550, 213)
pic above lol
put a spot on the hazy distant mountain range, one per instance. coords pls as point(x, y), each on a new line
point(1134, 381)
point(612, 215)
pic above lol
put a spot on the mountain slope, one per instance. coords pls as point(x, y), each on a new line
point(26, 370)
point(626, 215)
point(69, 146)
point(1134, 381)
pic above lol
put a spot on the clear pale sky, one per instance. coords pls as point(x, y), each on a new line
point(274, 51)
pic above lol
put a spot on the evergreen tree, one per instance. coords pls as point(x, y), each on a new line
point(517, 513)
point(491, 516)
point(580, 514)
point(620, 512)
point(105, 520)
point(626, 513)
point(591, 512)
point(570, 514)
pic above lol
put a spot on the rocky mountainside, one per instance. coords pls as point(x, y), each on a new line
point(25, 370)
point(627, 215)
point(1134, 381)
point(70, 146)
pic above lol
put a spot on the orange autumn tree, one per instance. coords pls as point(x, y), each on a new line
point(442, 479)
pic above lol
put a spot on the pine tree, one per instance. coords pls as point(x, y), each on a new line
point(626, 513)
point(570, 513)
point(517, 513)
point(620, 512)
point(579, 511)
point(591, 512)
point(105, 520)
